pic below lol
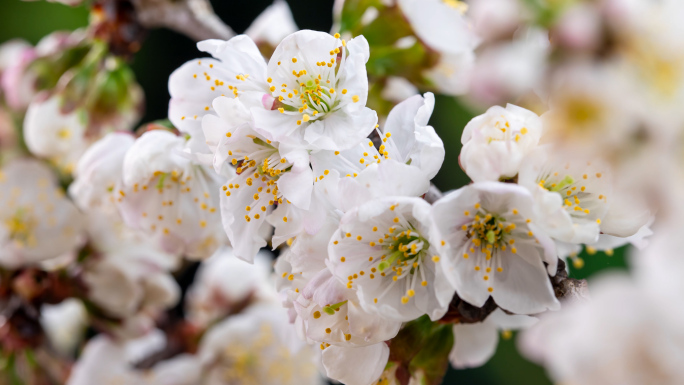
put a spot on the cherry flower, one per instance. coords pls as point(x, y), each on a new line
point(602, 341)
point(578, 201)
point(592, 112)
point(37, 221)
point(265, 176)
point(507, 71)
point(236, 68)
point(495, 143)
point(272, 25)
point(90, 368)
point(330, 314)
point(442, 26)
point(382, 250)
point(491, 245)
point(127, 276)
point(58, 137)
point(476, 343)
point(107, 360)
point(574, 195)
point(326, 312)
point(99, 173)
point(368, 363)
point(225, 283)
point(495, 19)
point(409, 155)
point(407, 137)
point(256, 347)
point(319, 85)
point(170, 197)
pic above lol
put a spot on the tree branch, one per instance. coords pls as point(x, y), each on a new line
point(569, 289)
point(193, 18)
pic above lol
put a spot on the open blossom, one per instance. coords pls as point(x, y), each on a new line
point(442, 26)
point(592, 111)
point(363, 365)
point(319, 85)
point(627, 334)
point(408, 138)
point(573, 195)
point(170, 197)
point(57, 137)
point(37, 221)
point(494, 19)
point(237, 68)
point(651, 54)
point(325, 309)
point(491, 245)
point(579, 202)
point(99, 173)
point(506, 71)
point(272, 25)
point(105, 360)
point(256, 347)
point(265, 176)
point(127, 277)
point(475, 344)
point(382, 250)
point(224, 284)
point(326, 312)
point(495, 143)
point(90, 368)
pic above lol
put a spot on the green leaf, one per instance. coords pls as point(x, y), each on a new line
point(432, 360)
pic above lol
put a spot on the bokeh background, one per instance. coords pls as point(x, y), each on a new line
point(164, 51)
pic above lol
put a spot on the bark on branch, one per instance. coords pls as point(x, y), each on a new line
point(193, 18)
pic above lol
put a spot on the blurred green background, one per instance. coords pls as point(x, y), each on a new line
point(164, 51)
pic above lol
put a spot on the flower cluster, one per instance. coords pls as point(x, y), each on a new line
point(282, 225)
point(364, 252)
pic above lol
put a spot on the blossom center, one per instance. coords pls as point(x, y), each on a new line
point(310, 89)
point(264, 166)
point(578, 195)
point(490, 232)
point(21, 227)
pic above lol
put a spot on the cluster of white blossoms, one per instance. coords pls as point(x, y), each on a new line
point(307, 169)
point(282, 226)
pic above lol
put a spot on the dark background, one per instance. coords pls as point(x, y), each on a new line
point(165, 50)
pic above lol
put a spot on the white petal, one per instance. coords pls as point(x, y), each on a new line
point(157, 150)
point(504, 321)
point(355, 366)
point(441, 26)
point(474, 344)
point(523, 287)
point(99, 171)
point(273, 24)
point(341, 130)
point(246, 237)
point(297, 184)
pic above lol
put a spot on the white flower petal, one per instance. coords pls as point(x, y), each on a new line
point(474, 344)
point(273, 24)
point(355, 366)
